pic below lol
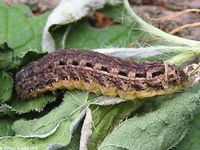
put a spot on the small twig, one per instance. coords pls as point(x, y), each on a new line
point(174, 15)
point(178, 29)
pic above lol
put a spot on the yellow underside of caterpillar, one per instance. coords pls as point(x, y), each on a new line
point(129, 94)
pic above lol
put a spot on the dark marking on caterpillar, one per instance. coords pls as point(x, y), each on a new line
point(99, 73)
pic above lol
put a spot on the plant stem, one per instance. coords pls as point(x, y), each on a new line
point(145, 52)
point(184, 57)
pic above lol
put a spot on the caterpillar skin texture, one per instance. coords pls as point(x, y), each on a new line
point(99, 73)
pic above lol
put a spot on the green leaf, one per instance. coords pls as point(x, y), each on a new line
point(106, 118)
point(55, 128)
point(5, 110)
point(24, 106)
point(19, 106)
point(2, 42)
point(46, 125)
point(5, 127)
point(59, 139)
point(6, 55)
point(89, 37)
point(6, 58)
point(12, 26)
point(6, 86)
point(22, 31)
point(157, 130)
point(28, 56)
point(74, 143)
point(117, 35)
point(192, 139)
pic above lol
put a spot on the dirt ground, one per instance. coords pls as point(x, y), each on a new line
point(180, 17)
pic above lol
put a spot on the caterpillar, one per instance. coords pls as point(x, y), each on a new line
point(98, 73)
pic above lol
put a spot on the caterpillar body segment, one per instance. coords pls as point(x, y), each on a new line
point(98, 73)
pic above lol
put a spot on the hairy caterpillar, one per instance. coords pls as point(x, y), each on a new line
point(99, 73)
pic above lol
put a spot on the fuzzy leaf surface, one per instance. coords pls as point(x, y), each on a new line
point(21, 31)
point(120, 34)
point(106, 118)
point(42, 127)
point(6, 55)
point(59, 139)
point(6, 86)
point(65, 116)
point(192, 139)
point(24, 106)
point(157, 130)
point(5, 127)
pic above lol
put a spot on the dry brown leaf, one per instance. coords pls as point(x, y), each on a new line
point(101, 20)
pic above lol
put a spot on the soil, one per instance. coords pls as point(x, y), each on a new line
point(149, 10)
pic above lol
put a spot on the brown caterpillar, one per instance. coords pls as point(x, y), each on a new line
point(99, 73)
